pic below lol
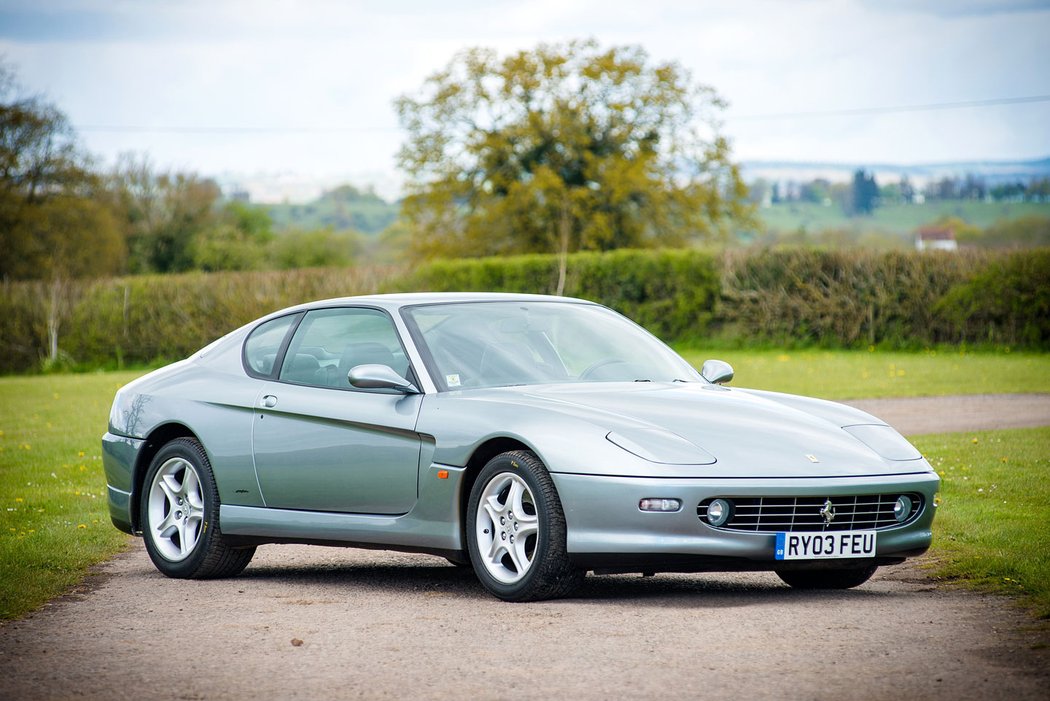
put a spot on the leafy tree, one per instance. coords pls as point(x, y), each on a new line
point(50, 225)
point(161, 214)
point(565, 147)
point(817, 190)
point(312, 249)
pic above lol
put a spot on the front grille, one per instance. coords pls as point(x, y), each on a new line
point(776, 514)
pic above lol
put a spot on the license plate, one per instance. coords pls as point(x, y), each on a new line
point(820, 546)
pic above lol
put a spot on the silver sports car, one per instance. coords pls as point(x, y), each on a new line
point(533, 438)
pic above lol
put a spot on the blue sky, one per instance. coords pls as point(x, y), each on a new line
point(318, 77)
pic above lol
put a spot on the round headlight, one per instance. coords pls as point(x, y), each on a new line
point(902, 509)
point(718, 512)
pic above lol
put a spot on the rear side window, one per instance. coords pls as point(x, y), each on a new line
point(329, 342)
point(264, 344)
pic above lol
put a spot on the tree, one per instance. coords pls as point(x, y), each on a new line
point(864, 193)
point(565, 147)
point(51, 227)
point(161, 213)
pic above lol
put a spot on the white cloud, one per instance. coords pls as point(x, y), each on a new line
point(340, 64)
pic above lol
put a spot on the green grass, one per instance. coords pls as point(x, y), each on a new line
point(992, 529)
point(856, 374)
point(54, 523)
point(897, 219)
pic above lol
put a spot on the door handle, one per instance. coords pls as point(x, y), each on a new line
point(269, 401)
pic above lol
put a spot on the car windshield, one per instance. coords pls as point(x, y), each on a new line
point(497, 344)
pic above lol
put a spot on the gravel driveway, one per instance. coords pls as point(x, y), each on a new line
point(312, 622)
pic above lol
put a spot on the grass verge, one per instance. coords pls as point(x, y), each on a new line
point(54, 523)
point(992, 530)
point(836, 374)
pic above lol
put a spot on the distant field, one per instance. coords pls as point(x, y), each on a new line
point(896, 219)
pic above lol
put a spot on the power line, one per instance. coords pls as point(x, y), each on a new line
point(931, 107)
point(169, 129)
point(172, 129)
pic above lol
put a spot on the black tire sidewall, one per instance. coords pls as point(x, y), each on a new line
point(524, 466)
point(192, 452)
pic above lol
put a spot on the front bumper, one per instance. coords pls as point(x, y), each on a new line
point(607, 530)
point(119, 454)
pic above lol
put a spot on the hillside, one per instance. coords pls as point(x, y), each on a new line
point(341, 209)
point(901, 219)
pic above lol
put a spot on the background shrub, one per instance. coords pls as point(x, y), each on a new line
point(766, 296)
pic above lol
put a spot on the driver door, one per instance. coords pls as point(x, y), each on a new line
point(320, 444)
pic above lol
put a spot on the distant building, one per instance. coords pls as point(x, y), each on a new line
point(936, 238)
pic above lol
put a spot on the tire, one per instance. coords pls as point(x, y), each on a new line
point(458, 561)
point(827, 579)
point(516, 531)
point(179, 513)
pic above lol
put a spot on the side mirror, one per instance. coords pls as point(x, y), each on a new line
point(379, 377)
point(717, 372)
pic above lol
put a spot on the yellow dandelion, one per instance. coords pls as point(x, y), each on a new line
point(80, 454)
point(81, 525)
point(783, 358)
point(974, 441)
point(19, 499)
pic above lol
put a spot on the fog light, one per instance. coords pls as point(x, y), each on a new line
point(660, 505)
point(718, 512)
point(902, 509)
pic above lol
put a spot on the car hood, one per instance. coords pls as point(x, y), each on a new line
point(738, 432)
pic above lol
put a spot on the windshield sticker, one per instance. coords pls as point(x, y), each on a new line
point(452, 380)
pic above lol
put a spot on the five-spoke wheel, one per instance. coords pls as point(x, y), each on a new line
point(179, 515)
point(176, 509)
point(507, 528)
point(516, 531)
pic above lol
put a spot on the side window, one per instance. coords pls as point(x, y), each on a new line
point(330, 342)
point(264, 343)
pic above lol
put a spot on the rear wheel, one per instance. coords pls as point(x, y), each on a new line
point(180, 516)
point(827, 579)
point(516, 531)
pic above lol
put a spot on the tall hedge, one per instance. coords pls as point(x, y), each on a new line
point(673, 293)
point(783, 296)
point(113, 321)
point(840, 298)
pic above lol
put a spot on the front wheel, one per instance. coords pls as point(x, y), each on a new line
point(180, 516)
point(827, 579)
point(516, 531)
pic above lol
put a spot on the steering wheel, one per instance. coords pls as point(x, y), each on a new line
point(604, 363)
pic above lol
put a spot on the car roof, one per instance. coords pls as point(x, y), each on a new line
point(397, 301)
